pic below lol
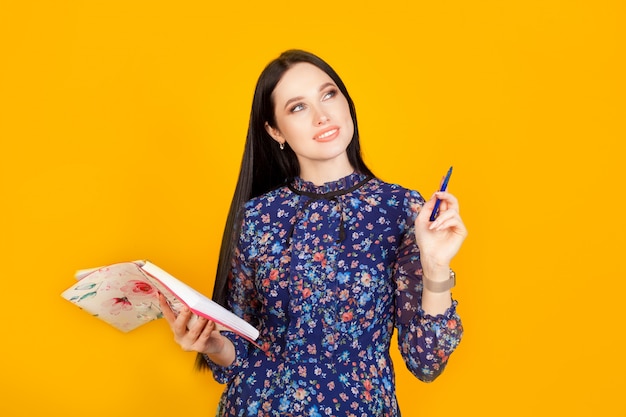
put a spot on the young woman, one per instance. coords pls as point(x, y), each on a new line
point(326, 261)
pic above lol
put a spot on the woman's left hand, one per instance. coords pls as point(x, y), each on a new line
point(440, 240)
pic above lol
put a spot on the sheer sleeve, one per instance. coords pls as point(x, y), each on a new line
point(243, 301)
point(426, 342)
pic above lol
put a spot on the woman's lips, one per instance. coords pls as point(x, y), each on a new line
point(327, 135)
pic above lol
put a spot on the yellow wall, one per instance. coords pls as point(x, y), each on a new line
point(122, 125)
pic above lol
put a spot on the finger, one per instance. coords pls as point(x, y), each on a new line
point(426, 213)
point(207, 330)
point(195, 325)
point(427, 208)
point(220, 327)
point(443, 220)
point(453, 224)
point(443, 179)
point(182, 320)
point(449, 199)
point(167, 310)
point(217, 326)
point(439, 224)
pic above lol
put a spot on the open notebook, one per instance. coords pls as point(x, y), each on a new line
point(125, 295)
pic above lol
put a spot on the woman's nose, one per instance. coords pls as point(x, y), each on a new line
point(322, 118)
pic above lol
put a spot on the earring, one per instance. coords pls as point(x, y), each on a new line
point(281, 145)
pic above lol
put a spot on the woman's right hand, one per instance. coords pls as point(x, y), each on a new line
point(203, 336)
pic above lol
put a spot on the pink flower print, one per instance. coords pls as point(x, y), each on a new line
point(118, 304)
point(367, 395)
point(274, 274)
point(347, 316)
point(300, 394)
point(138, 287)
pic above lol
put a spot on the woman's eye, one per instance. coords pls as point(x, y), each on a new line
point(330, 94)
point(297, 108)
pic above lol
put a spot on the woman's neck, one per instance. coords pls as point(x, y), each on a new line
point(321, 173)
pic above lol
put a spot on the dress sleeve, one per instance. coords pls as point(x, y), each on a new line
point(425, 341)
point(243, 301)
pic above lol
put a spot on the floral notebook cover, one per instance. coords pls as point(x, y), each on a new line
point(120, 294)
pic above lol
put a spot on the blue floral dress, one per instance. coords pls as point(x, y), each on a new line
point(327, 273)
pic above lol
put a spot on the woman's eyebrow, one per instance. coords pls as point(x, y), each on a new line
point(322, 87)
point(291, 100)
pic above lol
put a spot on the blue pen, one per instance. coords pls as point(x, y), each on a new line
point(444, 185)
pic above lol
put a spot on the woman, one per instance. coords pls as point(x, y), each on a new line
point(326, 260)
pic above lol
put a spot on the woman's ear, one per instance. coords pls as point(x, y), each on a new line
point(274, 133)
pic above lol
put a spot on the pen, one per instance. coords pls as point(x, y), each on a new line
point(444, 185)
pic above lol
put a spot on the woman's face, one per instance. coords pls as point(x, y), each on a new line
point(312, 116)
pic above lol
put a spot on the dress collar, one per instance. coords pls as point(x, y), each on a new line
point(330, 191)
point(298, 184)
point(346, 184)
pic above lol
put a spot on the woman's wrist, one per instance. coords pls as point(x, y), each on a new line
point(439, 286)
point(437, 273)
point(225, 357)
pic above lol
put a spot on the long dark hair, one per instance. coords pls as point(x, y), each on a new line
point(264, 165)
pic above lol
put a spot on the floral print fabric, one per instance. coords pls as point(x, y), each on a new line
point(327, 273)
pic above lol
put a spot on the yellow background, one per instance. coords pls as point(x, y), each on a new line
point(122, 126)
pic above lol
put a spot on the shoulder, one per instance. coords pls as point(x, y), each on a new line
point(404, 196)
point(393, 201)
point(264, 214)
point(270, 201)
